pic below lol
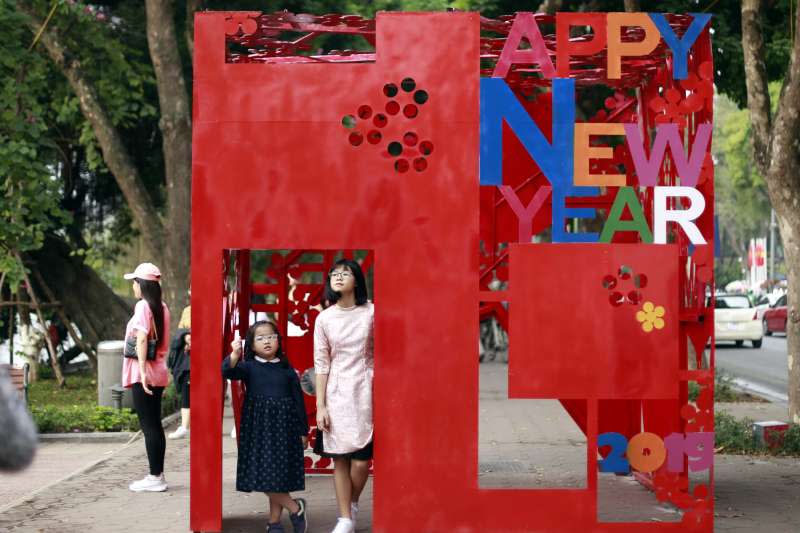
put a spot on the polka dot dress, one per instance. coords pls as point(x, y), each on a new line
point(270, 451)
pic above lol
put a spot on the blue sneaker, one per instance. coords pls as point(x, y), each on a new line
point(300, 518)
point(275, 528)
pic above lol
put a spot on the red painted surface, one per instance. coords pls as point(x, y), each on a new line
point(568, 341)
point(275, 169)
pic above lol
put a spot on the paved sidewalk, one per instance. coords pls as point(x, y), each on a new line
point(522, 443)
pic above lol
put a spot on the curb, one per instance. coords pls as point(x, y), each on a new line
point(103, 436)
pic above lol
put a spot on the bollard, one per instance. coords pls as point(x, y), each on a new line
point(117, 392)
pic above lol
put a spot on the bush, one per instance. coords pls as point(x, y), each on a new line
point(732, 435)
point(80, 418)
point(791, 441)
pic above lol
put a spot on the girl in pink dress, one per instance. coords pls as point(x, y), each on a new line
point(344, 366)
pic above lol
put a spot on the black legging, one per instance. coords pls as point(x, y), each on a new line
point(148, 409)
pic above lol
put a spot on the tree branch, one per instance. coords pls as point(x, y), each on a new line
point(115, 154)
point(757, 84)
point(176, 134)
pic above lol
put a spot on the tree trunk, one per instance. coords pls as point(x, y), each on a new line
point(87, 301)
point(549, 6)
point(115, 154)
point(192, 6)
point(775, 144)
point(48, 341)
point(176, 133)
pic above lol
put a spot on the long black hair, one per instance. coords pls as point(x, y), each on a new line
point(360, 289)
point(250, 339)
point(151, 293)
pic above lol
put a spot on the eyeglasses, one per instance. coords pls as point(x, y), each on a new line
point(341, 275)
point(262, 338)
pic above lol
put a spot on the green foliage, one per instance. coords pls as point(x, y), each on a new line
point(742, 202)
point(80, 418)
point(733, 435)
point(74, 408)
point(736, 436)
point(29, 196)
point(723, 389)
point(791, 441)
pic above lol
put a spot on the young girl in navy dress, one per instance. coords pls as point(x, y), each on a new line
point(273, 427)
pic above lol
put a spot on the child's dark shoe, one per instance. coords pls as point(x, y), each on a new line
point(300, 518)
point(275, 528)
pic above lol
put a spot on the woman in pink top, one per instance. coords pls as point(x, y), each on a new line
point(343, 362)
point(147, 379)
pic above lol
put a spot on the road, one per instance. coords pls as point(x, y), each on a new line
point(763, 371)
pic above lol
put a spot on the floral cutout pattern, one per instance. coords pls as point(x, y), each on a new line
point(407, 152)
point(617, 295)
point(651, 317)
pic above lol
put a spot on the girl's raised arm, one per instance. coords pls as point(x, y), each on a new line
point(231, 369)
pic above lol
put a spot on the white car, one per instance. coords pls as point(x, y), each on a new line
point(737, 319)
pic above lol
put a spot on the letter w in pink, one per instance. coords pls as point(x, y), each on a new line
point(667, 134)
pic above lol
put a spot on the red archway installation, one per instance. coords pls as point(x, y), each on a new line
point(474, 170)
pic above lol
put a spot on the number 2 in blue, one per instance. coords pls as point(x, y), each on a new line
point(615, 461)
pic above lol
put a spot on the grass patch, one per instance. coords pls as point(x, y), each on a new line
point(81, 389)
point(74, 408)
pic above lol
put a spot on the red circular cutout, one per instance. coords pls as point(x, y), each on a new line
point(410, 110)
point(392, 107)
point(410, 138)
point(420, 164)
point(380, 120)
point(356, 138)
point(374, 137)
point(426, 148)
point(401, 165)
point(364, 111)
point(616, 298)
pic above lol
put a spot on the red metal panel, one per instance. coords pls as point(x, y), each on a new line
point(273, 169)
point(568, 339)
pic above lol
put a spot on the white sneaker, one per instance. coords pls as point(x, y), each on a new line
point(179, 433)
point(344, 525)
point(354, 513)
point(149, 483)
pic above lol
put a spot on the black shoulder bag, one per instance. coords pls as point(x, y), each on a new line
point(130, 345)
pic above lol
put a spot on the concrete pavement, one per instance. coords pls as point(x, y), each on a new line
point(520, 444)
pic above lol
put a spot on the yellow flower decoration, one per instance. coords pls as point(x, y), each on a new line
point(650, 316)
